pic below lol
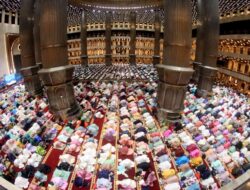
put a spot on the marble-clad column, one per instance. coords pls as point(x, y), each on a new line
point(108, 56)
point(36, 31)
point(175, 72)
point(211, 28)
point(157, 26)
point(84, 43)
point(29, 67)
point(132, 56)
point(56, 73)
point(199, 43)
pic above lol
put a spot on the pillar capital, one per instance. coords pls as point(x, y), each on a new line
point(57, 75)
point(174, 74)
point(27, 71)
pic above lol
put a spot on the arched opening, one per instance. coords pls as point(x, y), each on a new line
point(13, 48)
point(239, 66)
point(16, 55)
point(246, 69)
point(231, 65)
point(243, 86)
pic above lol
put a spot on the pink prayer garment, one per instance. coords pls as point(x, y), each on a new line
point(195, 153)
point(34, 186)
point(110, 134)
point(84, 174)
point(151, 178)
point(60, 183)
point(126, 141)
point(167, 133)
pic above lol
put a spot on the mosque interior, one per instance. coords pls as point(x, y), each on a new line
point(124, 94)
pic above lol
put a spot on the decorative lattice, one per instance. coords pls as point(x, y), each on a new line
point(143, 16)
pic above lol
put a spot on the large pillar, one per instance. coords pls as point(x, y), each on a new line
point(157, 24)
point(36, 31)
point(175, 73)
point(84, 43)
point(29, 68)
point(56, 73)
point(199, 43)
point(132, 57)
point(108, 56)
point(210, 34)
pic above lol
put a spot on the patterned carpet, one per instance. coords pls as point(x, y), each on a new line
point(118, 142)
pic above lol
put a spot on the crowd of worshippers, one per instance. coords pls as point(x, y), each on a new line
point(116, 72)
point(118, 140)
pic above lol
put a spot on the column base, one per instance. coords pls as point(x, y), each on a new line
point(171, 97)
point(132, 59)
point(40, 65)
point(108, 59)
point(172, 89)
point(206, 80)
point(166, 116)
point(32, 81)
point(196, 74)
point(62, 102)
point(60, 92)
point(84, 61)
point(156, 60)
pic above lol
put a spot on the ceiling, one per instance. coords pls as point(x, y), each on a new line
point(118, 4)
point(96, 9)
